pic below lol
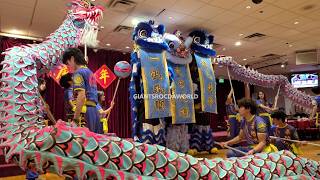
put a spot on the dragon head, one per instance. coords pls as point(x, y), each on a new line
point(177, 52)
point(86, 16)
point(201, 42)
point(149, 36)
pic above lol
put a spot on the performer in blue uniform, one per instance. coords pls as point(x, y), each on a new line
point(233, 117)
point(253, 129)
point(85, 88)
point(69, 104)
point(284, 130)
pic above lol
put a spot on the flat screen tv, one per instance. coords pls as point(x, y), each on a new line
point(304, 80)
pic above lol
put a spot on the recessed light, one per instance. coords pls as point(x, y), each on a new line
point(238, 43)
point(282, 65)
point(244, 59)
point(127, 47)
point(297, 22)
point(15, 31)
point(248, 7)
point(108, 44)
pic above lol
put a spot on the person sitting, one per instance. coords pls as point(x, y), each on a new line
point(253, 129)
point(69, 104)
point(233, 117)
point(284, 130)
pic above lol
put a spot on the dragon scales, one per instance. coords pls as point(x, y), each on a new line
point(270, 81)
point(68, 150)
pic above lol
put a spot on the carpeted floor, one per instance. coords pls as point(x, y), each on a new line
point(310, 152)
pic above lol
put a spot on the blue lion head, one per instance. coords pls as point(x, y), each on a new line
point(201, 42)
point(149, 36)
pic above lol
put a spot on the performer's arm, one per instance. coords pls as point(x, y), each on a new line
point(79, 103)
point(267, 108)
point(236, 140)
point(262, 129)
point(262, 143)
point(229, 98)
point(107, 111)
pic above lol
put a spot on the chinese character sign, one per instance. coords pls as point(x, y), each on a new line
point(58, 71)
point(104, 76)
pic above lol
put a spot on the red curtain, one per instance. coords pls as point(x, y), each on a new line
point(120, 118)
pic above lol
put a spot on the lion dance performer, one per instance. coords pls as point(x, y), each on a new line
point(69, 150)
point(182, 109)
point(203, 77)
point(149, 84)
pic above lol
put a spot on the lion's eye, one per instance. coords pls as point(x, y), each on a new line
point(171, 45)
point(142, 33)
point(196, 39)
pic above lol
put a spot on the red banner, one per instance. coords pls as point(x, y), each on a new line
point(58, 71)
point(104, 76)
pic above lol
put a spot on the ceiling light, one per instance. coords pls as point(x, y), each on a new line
point(244, 59)
point(101, 27)
point(134, 22)
point(297, 22)
point(15, 31)
point(283, 66)
point(127, 47)
point(240, 34)
point(108, 44)
point(238, 43)
point(223, 49)
point(290, 45)
point(248, 7)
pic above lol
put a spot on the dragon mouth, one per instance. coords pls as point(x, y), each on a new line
point(92, 16)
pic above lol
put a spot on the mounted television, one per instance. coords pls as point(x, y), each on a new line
point(304, 80)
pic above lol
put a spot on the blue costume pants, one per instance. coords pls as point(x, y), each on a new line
point(93, 120)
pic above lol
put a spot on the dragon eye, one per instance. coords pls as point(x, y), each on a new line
point(171, 45)
point(142, 33)
point(196, 39)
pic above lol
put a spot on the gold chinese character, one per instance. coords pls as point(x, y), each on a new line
point(204, 64)
point(210, 88)
point(155, 75)
point(177, 70)
point(104, 75)
point(184, 112)
point(181, 83)
point(210, 101)
point(158, 90)
point(160, 104)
